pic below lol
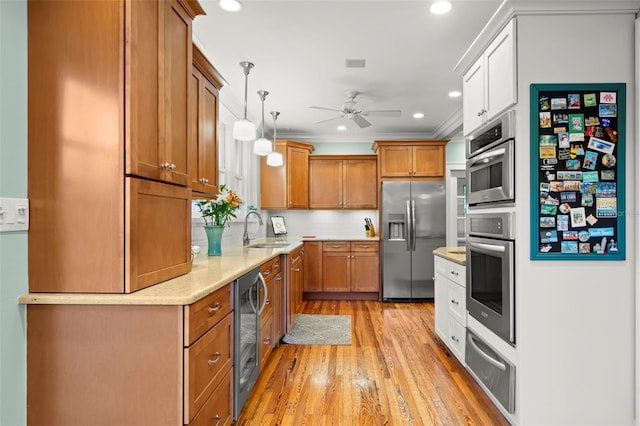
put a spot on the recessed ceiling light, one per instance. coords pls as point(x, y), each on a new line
point(455, 94)
point(440, 7)
point(342, 128)
point(230, 5)
point(418, 115)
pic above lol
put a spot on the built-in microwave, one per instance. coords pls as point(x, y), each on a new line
point(491, 164)
point(491, 272)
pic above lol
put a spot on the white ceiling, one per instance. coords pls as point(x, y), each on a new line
point(299, 50)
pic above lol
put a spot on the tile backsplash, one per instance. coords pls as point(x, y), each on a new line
point(298, 222)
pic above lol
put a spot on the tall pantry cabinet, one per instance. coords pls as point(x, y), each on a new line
point(108, 143)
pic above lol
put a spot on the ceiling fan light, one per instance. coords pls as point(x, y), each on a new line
point(244, 130)
point(455, 94)
point(342, 128)
point(274, 159)
point(418, 115)
point(262, 147)
point(230, 5)
point(440, 7)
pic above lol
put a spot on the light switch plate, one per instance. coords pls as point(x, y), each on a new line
point(14, 214)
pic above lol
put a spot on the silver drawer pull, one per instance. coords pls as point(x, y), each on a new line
point(364, 246)
point(336, 246)
point(267, 340)
point(217, 418)
point(454, 273)
point(455, 302)
point(213, 361)
point(265, 273)
point(213, 309)
point(267, 302)
point(276, 265)
point(455, 339)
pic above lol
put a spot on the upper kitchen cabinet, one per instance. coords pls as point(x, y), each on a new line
point(416, 160)
point(343, 182)
point(286, 186)
point(107, 98)
point(203, 131)
point(158, 54)
point(490, 84)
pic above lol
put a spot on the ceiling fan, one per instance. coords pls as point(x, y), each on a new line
point(350, 111)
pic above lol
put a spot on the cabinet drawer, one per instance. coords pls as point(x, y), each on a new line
point(456, 339)
point(270, 268)
point(457, 302)
point(206, 362)
point(364, 246)
point(205, 313)
point(276, 266)
point(218, 408)
point(457, 273)
point(441, 266)
point(336, 246)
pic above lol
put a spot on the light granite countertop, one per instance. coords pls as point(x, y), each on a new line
point(208, 274)
point(454, 254)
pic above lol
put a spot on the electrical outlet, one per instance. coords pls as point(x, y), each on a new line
point(14, 214)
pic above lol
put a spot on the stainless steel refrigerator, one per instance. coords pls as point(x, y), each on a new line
point(413, 225)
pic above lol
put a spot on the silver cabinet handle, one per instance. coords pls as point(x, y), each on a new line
point(364, 247)
point(455, 339)
point(455, 302)
point(267, 340)
point(217, 418)
point(215, 308)
point(165, 166)
point(172, 166)
point(213, 361)
point(336, 246)
point(276, 265)
point(266, 293)
point(454, 273)
point(487, 358)
point(267, 273)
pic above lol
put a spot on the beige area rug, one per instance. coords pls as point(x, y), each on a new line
point(320, 330)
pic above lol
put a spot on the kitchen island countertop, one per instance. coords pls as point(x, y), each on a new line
point(454, 254)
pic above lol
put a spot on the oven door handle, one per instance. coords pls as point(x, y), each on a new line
point(266, 296)
point(488, 247)
point(486, 157)
point(486, 357)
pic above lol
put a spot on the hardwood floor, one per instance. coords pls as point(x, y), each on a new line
point(395, 372)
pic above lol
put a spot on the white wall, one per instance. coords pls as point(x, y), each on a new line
point(574, 319)
point(13, 183)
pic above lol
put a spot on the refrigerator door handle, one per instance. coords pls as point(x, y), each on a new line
point(409, 227)
point(413, 225)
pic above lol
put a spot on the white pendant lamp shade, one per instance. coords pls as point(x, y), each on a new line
point(262, 146)
point(230, 5)
point(245, 130)
point(274, 159)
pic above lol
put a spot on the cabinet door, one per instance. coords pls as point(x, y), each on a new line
point(313, 266)
point(325, 184)
point(441, 304)
point(156, 252)
point(278, 308)
point(203, 119)
point(360, 184)
point(143, 126)
point(336, 273)
point(297, 178)
point(174, 104)
point(396, 161)
point(500, 72)
point(473, 100)
point(428, 161)
point(365, 275)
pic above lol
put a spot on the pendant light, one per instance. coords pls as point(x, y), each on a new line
point(262, 146)
point(274, 158)
point(230, 5)
point(245, 130)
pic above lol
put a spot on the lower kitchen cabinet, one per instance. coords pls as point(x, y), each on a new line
point(272, 312)
point(295, 278)
point(131, 364)
point(451, 305)
point(351, 268)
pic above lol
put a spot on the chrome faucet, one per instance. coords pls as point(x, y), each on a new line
point(245, 235)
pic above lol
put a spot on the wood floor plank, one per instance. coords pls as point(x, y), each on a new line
point(397, 371)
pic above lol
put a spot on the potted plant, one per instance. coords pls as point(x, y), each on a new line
point(216, 214)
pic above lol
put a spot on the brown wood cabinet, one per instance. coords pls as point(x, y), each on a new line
point(203, 132)
point(344, 267)
point(272, 312)
point(313, 266)
point(286, 186)
point(112, 104)
point(295, 271)
point(131, 364)
point(421, 160)
point(343, 182)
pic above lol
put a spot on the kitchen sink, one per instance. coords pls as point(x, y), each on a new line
point(268, 245)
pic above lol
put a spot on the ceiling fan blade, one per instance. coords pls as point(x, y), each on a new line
point(383, 113)
point(329, 119)
point(361, 122)
point(326, 109)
